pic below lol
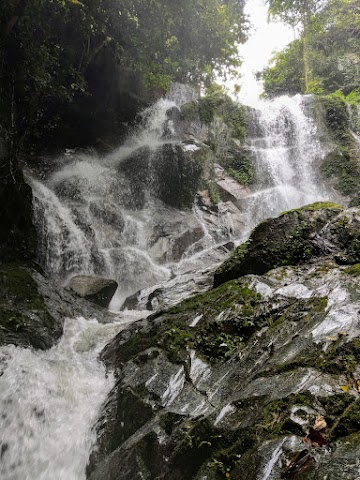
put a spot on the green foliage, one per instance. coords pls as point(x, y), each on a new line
point(285, 75)
point(52, 50)
point(341, 164)
point(330, 37)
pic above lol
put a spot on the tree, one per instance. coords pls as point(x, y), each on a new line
point(334, 55)
point(55, 53)
point(299, 13)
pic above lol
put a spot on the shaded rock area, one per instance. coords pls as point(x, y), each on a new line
point(239, 380)
point(95, 289)
point(33, 309)
point(17, 233)
point(25, 318)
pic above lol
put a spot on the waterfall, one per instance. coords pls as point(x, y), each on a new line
point(99, 215)
point(286, 149)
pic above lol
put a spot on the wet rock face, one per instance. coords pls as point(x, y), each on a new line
point(95, 289)
point(17, 233)
point(294, 238)
point(33, 309)
point(231, 381)
point(25, 319)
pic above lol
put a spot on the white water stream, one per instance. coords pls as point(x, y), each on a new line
point(50, 401)
point(89, 222)
point(287, 151)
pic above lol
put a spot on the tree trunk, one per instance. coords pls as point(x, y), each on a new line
point(306, 47)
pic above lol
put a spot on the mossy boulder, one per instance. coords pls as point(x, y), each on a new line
point(228, 383)
point(24, 317)
point(289, 239)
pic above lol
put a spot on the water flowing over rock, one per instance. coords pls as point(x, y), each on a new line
point(236, 378)
point(206, 385)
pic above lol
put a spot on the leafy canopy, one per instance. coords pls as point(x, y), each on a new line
point(333, 52)
point(50, 49)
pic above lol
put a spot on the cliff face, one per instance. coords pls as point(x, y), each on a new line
point(17, 232)
point(238, 380)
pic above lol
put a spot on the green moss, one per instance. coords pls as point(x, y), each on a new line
point(348, 422)
point(319, 304)
point(24, 318)
point(190, 111)
point(214, 193)
point(235, 258)
point(343, 168)
point(282, 241)
point(232, 293)
point(18, 286)
point(354, 270)
point(217, 104)
point(212, 337)
point(314, 207)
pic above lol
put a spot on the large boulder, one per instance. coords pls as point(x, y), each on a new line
point(294, 237)
point(238, 380)
point(95, 289)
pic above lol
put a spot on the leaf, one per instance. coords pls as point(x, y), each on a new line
point(316, 438)
point(344, 388)
point(319, 424)
point(76, 2)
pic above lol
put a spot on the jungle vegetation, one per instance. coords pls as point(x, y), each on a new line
point(326, 56)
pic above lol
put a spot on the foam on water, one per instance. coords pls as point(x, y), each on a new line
point(50, 401)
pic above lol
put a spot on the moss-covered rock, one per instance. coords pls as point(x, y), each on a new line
point(228, 383)
point(24, 317)
point(285, 240)
point(342, 164)
point(225, 122)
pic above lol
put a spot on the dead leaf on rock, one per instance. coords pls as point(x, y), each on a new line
point(316, 438)
point(320, 424)
point(344, 388)
point(331, 338)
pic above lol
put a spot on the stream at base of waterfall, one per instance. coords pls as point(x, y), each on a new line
point(94, 217)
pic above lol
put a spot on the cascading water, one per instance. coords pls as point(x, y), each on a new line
point(99, 216)
point(49, 403)
point(284, 143)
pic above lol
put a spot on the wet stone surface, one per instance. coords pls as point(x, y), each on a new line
point(234, 380)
